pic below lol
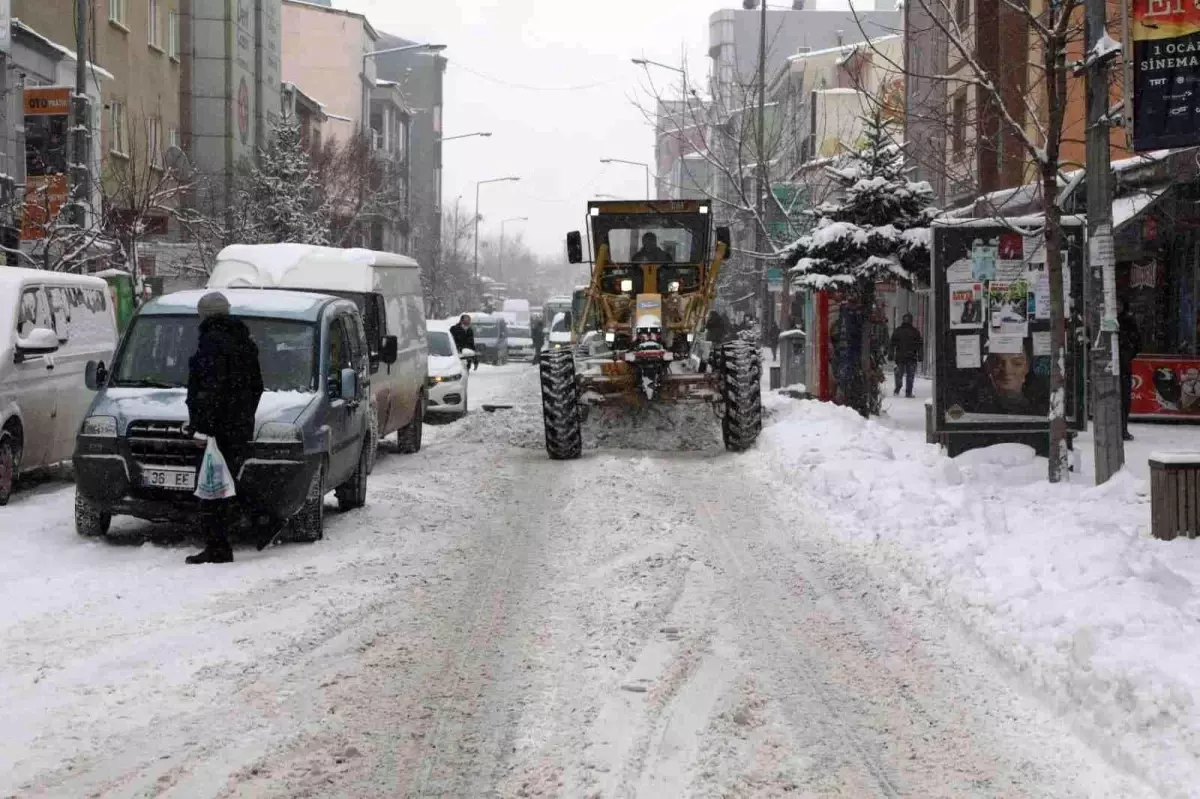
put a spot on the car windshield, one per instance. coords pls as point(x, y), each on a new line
point(519, 332)
point(157, 349)
point(560, 325)
point(487, 329)
point(439, 344)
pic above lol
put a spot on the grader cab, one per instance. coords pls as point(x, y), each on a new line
point(654, 272)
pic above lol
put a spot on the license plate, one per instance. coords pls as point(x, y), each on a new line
point(168, 478)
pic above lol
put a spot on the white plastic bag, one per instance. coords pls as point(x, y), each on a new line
point(214, 480)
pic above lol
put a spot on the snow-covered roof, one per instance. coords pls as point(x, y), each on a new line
point(297, 305)
point(66, 51)
point(843, 48)
point(331, 10)
point(1126, 208)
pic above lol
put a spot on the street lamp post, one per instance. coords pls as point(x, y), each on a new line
point(503, 222)
point(642, 164)
point(366, 106)
point(477, 186)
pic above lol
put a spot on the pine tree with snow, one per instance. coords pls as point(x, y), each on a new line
point(876, 230)
point(280, 198)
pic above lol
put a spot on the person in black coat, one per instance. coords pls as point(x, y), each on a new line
point(464, 337)
point(537, 331)
point(1129, 344)
point(908, 349)
point(224, 387)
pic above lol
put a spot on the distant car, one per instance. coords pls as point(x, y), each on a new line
point(520, 343)
point(448, 376)
point(491, 338)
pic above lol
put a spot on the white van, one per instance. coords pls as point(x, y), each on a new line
point(387, 289)
point(51, 325)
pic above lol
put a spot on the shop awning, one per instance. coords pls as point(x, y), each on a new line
point(1126, 209)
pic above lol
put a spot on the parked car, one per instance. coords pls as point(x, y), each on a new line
point(448, 376)
point(491, 338)
point(387, 290)
point(520, 343)
point(134, 455)
point(51, 325)
point(560, 331)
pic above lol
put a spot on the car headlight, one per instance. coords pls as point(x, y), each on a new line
point(279, 433)
point(610, 337)
point(433, 381)
point(99, 426)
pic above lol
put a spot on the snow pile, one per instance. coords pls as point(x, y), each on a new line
point(1063, 582)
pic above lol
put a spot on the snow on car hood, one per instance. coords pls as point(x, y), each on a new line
point(444, 365)
point(170, 405)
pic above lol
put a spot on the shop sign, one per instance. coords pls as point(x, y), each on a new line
point(46, 113)
point(1144, 276)
point(775, 279)
point(1165, 385)
point(1166, 74)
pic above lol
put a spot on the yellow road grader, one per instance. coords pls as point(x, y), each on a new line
point(655, 266)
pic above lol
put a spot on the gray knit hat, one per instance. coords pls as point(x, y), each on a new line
point(213, 304)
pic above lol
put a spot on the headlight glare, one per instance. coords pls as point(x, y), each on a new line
point(279, 433)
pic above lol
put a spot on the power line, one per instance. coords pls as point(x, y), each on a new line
point(526, 87)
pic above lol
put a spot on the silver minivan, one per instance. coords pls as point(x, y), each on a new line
point(134, 455)
point(51, 325)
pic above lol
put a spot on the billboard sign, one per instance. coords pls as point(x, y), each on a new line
point(47, 116)
point(993, 327)
point(1166, 74)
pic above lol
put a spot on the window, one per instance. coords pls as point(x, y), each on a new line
point(116, 127)
point(958, 114)
point(962, 9)
point(154, 144)
point(173, 35)
point(152, 32)
point(173, 138)
point(116, 13)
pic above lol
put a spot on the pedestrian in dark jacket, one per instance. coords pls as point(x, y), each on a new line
point(464, 337)
point(908, 349)
point(224, 387)
point(538, 331)
point(1129, 344)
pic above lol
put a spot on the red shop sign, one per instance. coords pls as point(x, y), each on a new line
point(1165, 385)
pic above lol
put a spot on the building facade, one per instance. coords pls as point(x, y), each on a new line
point(229, 86)
point(419, 76)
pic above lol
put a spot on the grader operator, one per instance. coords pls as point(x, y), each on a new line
point(654, 272)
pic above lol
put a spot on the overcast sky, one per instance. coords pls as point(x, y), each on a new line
point(553, 140)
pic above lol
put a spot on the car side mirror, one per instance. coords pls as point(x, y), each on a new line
point(95, 375)
point(724, 237)
point(390, 350)
point(575, 247)
point(40, 341)
point(349, 384)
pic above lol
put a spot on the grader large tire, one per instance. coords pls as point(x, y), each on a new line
point(560, 405)
point(741, 388)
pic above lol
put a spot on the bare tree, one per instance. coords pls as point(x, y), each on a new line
point(1015, 107)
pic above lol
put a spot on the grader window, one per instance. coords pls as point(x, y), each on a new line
point(652, 239)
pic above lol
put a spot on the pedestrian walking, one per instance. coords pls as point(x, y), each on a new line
point(537, 331)
point(464, 338)
point(224, 387)
point(1129, 344)
point(908, 349)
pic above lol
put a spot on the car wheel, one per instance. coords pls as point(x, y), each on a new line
point(8, 468)
point(353, 493)
point(308, 524)
point(90, 521)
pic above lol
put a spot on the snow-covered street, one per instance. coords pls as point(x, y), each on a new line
point(841, 612)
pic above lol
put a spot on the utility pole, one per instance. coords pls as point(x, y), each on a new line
point(760, 239)
point(1105, 362)
point(78, 170)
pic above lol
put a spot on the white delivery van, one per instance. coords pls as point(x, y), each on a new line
point(520, 311)
point(387, 289)
point(51, 325)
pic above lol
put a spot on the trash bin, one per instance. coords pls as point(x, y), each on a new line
point(1175, 495)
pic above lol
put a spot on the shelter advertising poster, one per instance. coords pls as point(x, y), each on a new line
point(47, 109)
point(1008, 307)
point(966, 306)
point(1166, 74)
